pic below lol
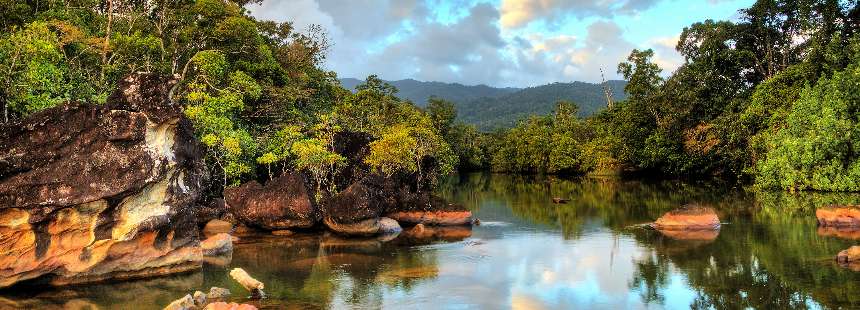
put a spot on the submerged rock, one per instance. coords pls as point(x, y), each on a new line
point(283, 203)
point(688, 217)
point(95, 192)
point(249, 283)
point(838, 216)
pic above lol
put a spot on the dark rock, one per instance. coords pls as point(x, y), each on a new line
point(213, 210)
point(284, 203)
point(95, 192)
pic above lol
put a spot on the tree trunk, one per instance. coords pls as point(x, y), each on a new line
point(106, 45)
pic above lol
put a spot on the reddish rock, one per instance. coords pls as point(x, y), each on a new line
point(838, 216)
point(215, 227)
point(284, 203)
point(442, 218)
point(689, 217)
point(231, 306)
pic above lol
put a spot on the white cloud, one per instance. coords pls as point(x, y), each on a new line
point(518, 13)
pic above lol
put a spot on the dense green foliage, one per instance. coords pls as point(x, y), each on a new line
point(770, 98)
point(420, 92)
point(491, 108)
point(253, 89)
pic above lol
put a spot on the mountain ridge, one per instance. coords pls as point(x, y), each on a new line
point(491, 108)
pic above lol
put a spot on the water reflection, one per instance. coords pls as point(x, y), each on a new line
point(529, 253)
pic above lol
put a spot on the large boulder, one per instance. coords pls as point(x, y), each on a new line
point(283, 203)
point(94, 192)
point(838, 216)
point(688, 217)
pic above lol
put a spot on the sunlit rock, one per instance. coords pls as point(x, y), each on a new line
point(231, 306)
point(283, 203)
point(215, 227)
point(95, 192)
point(688, 217)
point(249, 283)
point(838, 216)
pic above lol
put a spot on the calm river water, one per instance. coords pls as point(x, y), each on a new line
point(529, 253)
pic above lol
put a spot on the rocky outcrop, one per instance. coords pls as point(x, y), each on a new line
point(283, 203)
point(94, 192)
point(688, 217)
point(838, 216)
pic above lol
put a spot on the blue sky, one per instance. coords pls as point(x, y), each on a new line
point(496, 42)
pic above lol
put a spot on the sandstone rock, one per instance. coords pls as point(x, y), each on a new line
point(838, 216)
point(216, 293)
point(689, 217)
point(283, 203)
point(95, 192)
point(231, 306)
point(184, 303)
point(444, 218)
point(217, 245)
point(249, 283)
point(214, 227)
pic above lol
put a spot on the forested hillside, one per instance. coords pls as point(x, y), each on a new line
point(419, 92)
point(492, 108)
point(504, 111)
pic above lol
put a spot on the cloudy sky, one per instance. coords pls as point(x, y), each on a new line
point(495, 42)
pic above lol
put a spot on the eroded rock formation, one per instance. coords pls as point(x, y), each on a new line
point(92, 192)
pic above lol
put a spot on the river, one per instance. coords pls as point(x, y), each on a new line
point(529, 253)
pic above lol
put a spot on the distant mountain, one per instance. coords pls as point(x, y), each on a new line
point(418, 92)
point(501, 112)
point(490, 107)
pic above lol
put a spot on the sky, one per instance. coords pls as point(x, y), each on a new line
point(501, 43)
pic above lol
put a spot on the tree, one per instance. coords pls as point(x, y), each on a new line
point(818, 149)
point(312, 156)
